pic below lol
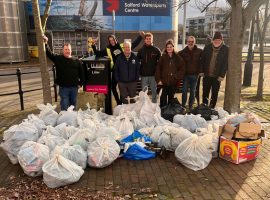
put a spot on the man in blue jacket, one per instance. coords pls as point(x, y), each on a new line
point(127, 69)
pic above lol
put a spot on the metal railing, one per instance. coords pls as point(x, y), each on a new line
point(19, 74)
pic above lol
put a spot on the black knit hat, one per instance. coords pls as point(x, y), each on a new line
point(218, 36)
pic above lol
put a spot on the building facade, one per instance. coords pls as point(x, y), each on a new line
point(77, 20)
point(213, 20)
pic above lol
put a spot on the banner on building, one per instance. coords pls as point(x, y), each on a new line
point(136, 8)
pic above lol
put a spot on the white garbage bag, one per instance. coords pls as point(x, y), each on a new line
point(39, 123)
point(82, 137)
point(109, 132)
point(221, 112)
point(195, 152)
point(16, 136)
point(190, 122)
point(51, 141)
point(48, 114)
point(124, 126)
point(32, 156)
point(69, 117)
point(60, 171)
point(147, 130)
point(74, 153)
point(102, 152)
point(169, 136)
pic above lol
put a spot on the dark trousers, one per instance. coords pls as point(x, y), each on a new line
point(167, 95)
point(68, 96)
point(190, 82)
point(210, 83)
point(114, 89)
point(127, 90)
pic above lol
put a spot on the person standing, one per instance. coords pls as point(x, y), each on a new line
point(149, 56)
point(170, 69)
point(113, 50)
point(191, 55)
point(127, 69)
point(214, 62)
point(69, 74)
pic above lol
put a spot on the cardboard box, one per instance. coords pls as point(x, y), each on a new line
point(239, 151)
point(248, 131)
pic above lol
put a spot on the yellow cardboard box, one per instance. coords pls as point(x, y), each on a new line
point(239, 151)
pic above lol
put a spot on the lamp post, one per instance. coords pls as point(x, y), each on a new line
point(248, 65)
point(184, 26)
point(113, 21)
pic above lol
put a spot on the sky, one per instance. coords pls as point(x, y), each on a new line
point(193, 11)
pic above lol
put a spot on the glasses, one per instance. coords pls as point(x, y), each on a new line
point(190, 41)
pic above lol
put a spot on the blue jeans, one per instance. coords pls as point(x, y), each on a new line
point(68, 96)
point(190, 82)
point(150, 80)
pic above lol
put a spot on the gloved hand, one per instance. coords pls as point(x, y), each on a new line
point(220, 79)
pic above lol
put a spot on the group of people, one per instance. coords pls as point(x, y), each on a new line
point(156, 70)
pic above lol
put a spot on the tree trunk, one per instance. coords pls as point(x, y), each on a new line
point(261, 78)
point(47, 97)
point(234, 74)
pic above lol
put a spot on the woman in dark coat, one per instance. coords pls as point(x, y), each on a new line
point(170, 70)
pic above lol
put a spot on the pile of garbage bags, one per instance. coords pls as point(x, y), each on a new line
point(60, 146)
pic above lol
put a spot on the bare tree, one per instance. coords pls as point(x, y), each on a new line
point(242, 12)
point(47, 97)
point(261, 24)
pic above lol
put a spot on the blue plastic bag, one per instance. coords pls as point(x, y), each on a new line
point(136, 136)
point(136, 152)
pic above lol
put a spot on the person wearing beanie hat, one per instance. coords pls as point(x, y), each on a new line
point(170, 70)
point(214, 64)
point(113, 50)
point(218, 36)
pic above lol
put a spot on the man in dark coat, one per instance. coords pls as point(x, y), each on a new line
point(214, 63)
point(149, 56)
point(113, 50)
point(127, 69)
point(69, 74)
point(191, 55)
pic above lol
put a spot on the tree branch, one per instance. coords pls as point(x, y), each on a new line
point(180, 4)
point(46, 15)
point(207, 5)
point(230, 2)
point(250, 10)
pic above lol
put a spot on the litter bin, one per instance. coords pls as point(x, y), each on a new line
point(33, 51)
point(98, 79)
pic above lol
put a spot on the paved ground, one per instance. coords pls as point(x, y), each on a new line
point(167, 179)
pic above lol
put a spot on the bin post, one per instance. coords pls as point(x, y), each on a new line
point(20, 92)
point(54, 83)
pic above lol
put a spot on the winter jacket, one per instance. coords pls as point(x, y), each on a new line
point(170, 69)
point(149, 56)
point(127, 70)
point(221, 66)
point(69, 72)
point(192, 59)
point(114, 51)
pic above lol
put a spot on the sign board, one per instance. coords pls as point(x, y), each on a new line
point(96, 76)
point(136, 8)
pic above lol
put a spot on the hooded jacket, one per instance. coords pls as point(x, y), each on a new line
point(149, 56)
point(170, 69)
point(127, 70)
point(192, 59)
